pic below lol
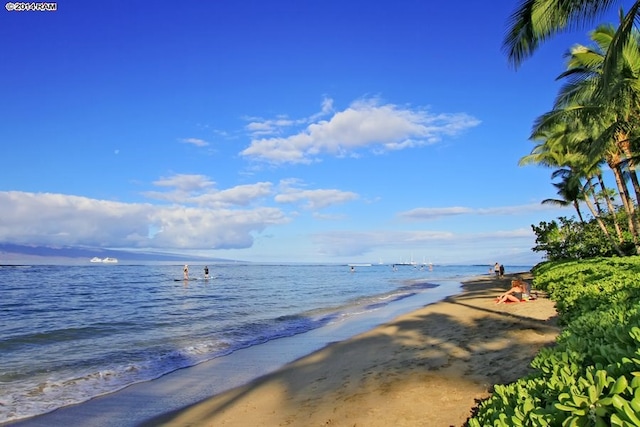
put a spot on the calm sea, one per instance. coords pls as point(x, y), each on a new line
point(71, 333)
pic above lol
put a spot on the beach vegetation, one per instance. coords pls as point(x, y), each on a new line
point(591, 376)
point(564, 239)
point(593, 123)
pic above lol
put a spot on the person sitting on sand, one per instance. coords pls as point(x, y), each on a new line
point(515, 294)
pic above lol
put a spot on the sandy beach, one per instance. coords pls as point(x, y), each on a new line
point(425, 368)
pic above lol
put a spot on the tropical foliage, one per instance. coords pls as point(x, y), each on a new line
point(591, 377)
point(567, 239)
point(593, 123)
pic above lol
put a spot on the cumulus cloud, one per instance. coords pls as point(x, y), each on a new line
point(194, 215)
point(259, 126)
point(364, 124)
point(201, 191)
point(428, 214)
point(268, 127)
point(312, 199)
point(57, 219)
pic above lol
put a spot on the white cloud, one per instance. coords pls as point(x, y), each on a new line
point(313, 199)
point(268, 127)
point(326, 109)
point(56, 219)
point(365, 124)
point(183, 188)
point(421, 242)
point(259, 126)
point(428, 214)
point(195, 141)
point(241, 195)
point(199, 190)
point(186, 182)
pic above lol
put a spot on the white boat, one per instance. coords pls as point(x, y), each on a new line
point(108, 260)
point(95, 259)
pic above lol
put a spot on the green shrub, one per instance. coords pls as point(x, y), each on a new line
point(591, 377)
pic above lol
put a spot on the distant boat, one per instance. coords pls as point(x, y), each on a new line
point(411, 263)
point(106, 260)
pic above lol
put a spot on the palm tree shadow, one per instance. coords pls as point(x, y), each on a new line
point(490, 344)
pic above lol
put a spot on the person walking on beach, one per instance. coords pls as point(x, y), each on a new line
point(206, 271)
point(501, 270)
point(185, 272)
point(496, 269)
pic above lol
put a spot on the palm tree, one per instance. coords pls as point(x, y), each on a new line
point(536, 21)
point(608, 108)
point(558, 149)
point(570, 190)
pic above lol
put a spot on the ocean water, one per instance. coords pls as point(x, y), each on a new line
point(71, 333)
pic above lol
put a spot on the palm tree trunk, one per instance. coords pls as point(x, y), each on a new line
point(576, 205)
point(625, 147)
point(627, 203)
point(603, 227)
point(612, 210)
point(596, 201)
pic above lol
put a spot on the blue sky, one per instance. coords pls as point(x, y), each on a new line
point(268, 131)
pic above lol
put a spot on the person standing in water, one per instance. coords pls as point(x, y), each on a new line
point(185, 272)
point(206, 271)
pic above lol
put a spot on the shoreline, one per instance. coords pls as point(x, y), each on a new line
point(143, 400)
point(424, 364)
point(427, 367)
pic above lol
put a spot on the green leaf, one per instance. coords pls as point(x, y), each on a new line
point(580, 400)
point(620, 385)
point(633, 416)
point(565, 408)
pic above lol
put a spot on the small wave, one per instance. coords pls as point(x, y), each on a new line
point(44, 393)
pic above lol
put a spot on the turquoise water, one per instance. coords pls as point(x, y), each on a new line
point(70, 333)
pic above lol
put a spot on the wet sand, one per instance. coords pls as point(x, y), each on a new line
point(425, 368)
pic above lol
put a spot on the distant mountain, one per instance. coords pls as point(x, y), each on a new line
point(10, 252)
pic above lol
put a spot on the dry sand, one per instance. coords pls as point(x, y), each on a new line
point(425, 368)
